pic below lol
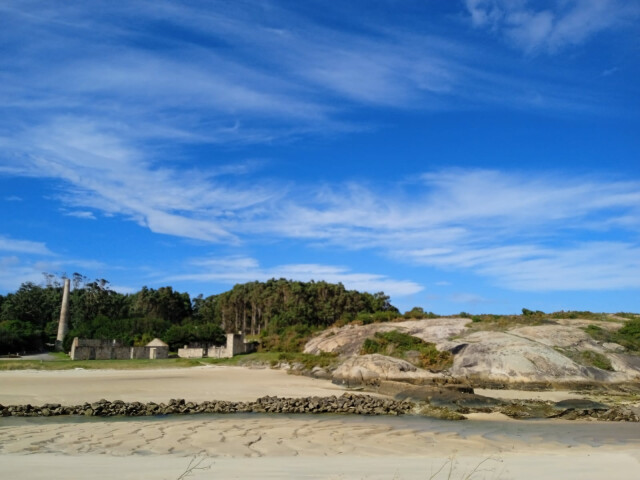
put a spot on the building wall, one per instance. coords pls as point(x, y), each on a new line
point(93, 349)
point(191, 352)
point(217, 352)
point(161, 352)
point(235, 346)
point(83, 353)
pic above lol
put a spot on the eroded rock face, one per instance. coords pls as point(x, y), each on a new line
point(506, 357)
point(348, 340)
point(555, 335)
point(363, 369)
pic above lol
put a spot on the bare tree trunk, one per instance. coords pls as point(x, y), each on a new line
point(244, 318)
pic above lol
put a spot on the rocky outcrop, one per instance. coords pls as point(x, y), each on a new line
point(365, 369)
point(569, 410)
point(546, 354)
point(348, 340)
point(506, 357)
point(512, 357)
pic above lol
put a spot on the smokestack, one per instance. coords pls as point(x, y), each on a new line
point(63, 324)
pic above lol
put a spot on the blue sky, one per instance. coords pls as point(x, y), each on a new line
point(478, 155)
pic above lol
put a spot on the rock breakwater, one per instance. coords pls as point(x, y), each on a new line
point(347, 403)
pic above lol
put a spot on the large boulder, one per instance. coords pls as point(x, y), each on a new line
point(364, 369)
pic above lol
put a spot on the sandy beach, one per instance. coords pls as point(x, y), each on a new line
point(283, 446)
point(193, 384)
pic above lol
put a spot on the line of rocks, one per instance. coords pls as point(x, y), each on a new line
point(348, 403)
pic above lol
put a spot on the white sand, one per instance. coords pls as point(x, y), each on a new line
point(282, 446)
point(193, 384)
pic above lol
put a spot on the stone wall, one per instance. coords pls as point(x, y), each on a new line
point(195, 352)
point(236, 345)
point(94, 349)
point(217, 352)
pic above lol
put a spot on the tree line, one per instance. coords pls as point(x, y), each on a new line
point(280, 311)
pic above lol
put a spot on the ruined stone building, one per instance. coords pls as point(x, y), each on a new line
point(236, 345)
point(93, 349)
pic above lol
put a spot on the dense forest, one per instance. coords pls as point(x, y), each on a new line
point(281, 312)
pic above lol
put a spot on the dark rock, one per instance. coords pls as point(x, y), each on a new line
point(579, 404)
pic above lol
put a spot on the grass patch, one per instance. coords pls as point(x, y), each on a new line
point(588, 358)
point(506, 322)
point(402, 345)
point(580, 314)
point(324, 360)
point(68, 364)
point(595, 359)
point(628, 335)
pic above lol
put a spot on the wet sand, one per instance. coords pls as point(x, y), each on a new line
point(314, 447)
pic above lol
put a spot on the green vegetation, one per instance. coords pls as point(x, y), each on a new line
point(405, 346)
point(308, 361)
point(585, 315)
point(265, 358)
point(628, 335)
point(418, 313)
point(595, 359)
point(505, 322)
point(588, 358)
point(282, 314)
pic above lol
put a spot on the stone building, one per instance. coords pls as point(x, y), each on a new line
point(94, 349)
point(236, 345)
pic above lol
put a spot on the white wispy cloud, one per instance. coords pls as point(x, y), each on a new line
point(8, 244)
point(240, 269)
point(523, 231)
point(101, 172)
point(510, 227)
point(30, 265)
point(80, 214)
point(13, 272)
point(248, 75)
point(551, 26)
point(469, 298)
point(111, 120)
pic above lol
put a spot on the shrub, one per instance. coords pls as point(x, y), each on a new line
point(309, 361)
point(398, 344)
point(595, 359)
point(628, 335)
point(419, 313)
